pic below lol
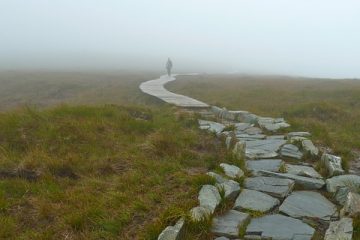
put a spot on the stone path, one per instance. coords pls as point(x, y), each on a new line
point(278, 195)
point(156, 88)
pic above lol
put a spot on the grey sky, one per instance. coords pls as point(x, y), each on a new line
point(297, 37)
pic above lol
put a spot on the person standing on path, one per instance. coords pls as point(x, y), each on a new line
point(169, 66)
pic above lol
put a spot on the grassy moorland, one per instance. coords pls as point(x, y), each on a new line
point(86, 170)
point(44, 89)
point(329, 109)
point(106, 172)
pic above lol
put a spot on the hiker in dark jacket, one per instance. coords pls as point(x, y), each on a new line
point(169, 66)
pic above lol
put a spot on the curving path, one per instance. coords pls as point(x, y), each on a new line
point(267, 202)
point(156, 88)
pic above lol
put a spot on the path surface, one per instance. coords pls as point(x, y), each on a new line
point(156, 88)
point(266, 203)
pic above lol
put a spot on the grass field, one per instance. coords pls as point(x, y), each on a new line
point(88, 156)
point(43, 89)
point(329, 109)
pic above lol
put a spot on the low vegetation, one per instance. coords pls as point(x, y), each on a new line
point(105, 172)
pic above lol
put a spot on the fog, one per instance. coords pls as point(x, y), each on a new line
point(300, 37)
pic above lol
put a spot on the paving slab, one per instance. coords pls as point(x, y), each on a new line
point(307, 204)
point(278, 227)
point(276, 187)
point(305, 182)
point(266, 148)
point(255, 201)
point(291, 151)
point(228, 225)
point(272, 165)
point(301, 170)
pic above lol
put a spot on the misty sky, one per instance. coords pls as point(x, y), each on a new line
point(297, 37)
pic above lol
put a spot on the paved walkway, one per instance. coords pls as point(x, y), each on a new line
point(266, 203)
point(156, 88)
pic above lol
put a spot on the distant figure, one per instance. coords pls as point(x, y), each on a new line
point(169, 66)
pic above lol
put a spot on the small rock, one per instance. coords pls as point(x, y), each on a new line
point(296, 140)
point(221, 238)
point(209, 197)
point(340, 230)
point(199, 213)
point(291, 151)
point(334, 183)
point(172, 232)
point(248, 137)
point(305, 182)
point(301, 170)
point(341, 195)
point(308, 204)
point(278, 137)
point(228, 225)
point(278, 227)
point(231, 188)
point(232, 170)
point(275, 187)
point(218, 178)
point(310, 148)
point(333, 164)
point(255, 201)
point(242, 126)
point(252, 131)
point(352, 205)
point(298, 134)
point(211, 126)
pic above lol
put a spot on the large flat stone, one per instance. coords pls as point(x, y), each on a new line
point(272, 124)
point(266, 148)
point(228, 225)
point(242, 126)
point(291, 151)
point(232, 171)
point(272, 165)
point(333, 164)
point(255, 201)
point(278, 227)
point(209, 197)
point(334, 183)
point(306, 204)
point(301, 170)
point(305, 182)
point(276, 187)
point(340, 230)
